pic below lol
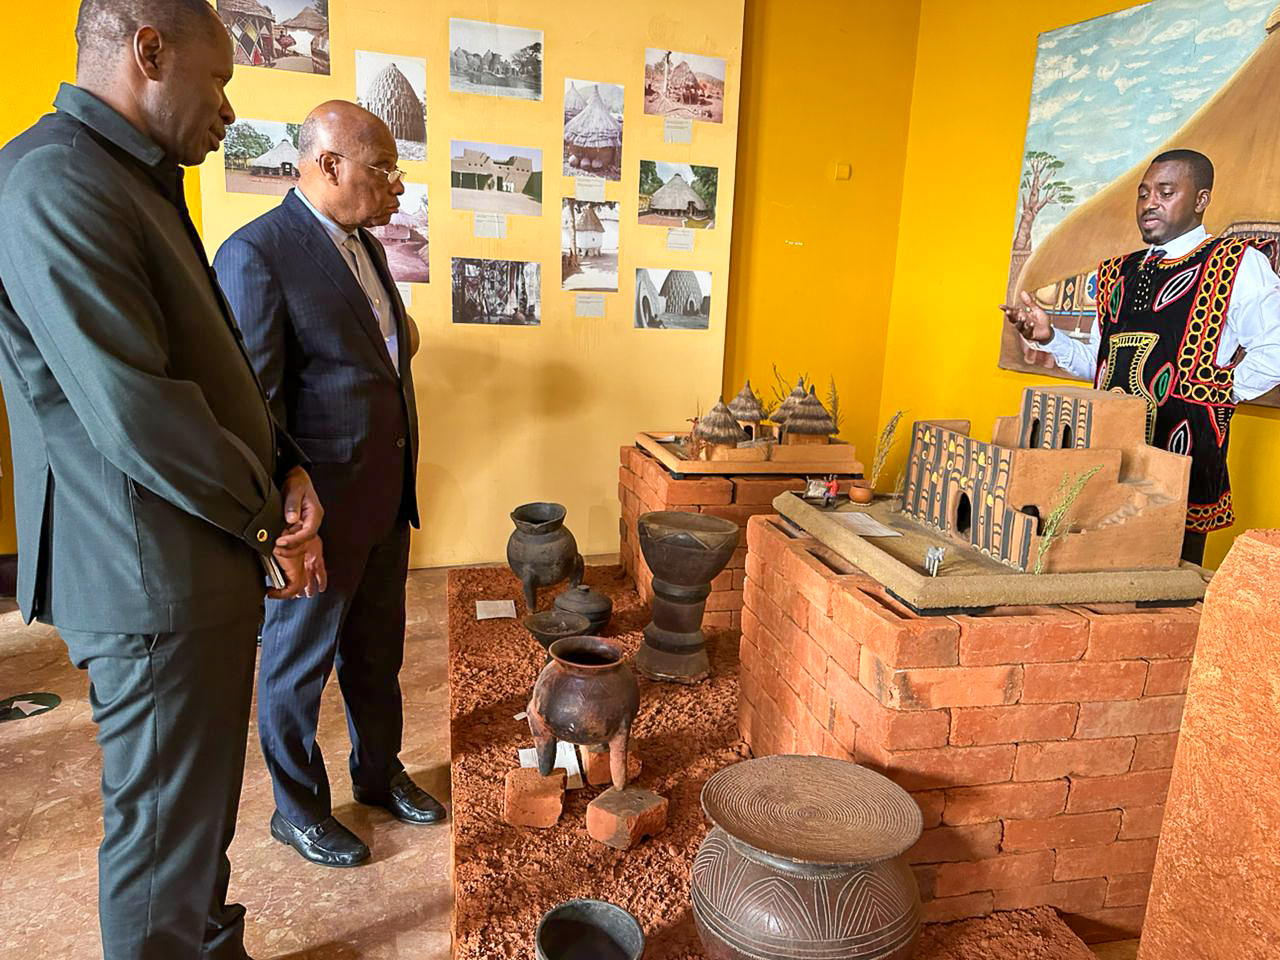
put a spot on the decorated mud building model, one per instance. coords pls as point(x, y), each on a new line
point(996, 496)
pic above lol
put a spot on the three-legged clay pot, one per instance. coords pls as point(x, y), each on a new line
point(541, 551)
point(685, 552)
point(588, 695)
point(806, 859)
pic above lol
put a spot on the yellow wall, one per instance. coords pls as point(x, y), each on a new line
point(968, 121)
point(823, 82)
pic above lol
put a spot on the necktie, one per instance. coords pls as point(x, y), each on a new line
point(370, 285)
point(1153, 258)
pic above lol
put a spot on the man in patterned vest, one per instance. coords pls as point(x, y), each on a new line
point(1191, 324)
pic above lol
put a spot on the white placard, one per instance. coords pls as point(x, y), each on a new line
point(495, 609)
point(406, 294)
point(677, 130)
point(679, 238)
point(491, 226)
point(589, 188)
point(566, 759)
point(864, 525)
point(590, 305)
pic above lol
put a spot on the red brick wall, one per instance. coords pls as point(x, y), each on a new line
point(645, 485)
point(1038, 741)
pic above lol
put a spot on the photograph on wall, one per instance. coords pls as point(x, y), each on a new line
point(261, 156)
point(404, 239)
point(589, 245)
point(506, 292)
point(673, 299)
point(685, 86)
point(593, 129)
point(1109, 94)
point(283, 34)
point(394, 88)
point(678, 194)
point(496, 178)
point(492, 59)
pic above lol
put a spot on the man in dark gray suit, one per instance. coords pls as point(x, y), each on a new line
point(330, 340)
point(152, 486)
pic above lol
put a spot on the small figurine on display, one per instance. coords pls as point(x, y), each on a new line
point(933, 560)
point(832, 490)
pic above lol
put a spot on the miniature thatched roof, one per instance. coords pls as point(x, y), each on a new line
point(719, 427)
point(809, 416)
point(746, 405)
point(307, 19)
point(588, 220)
point(676, 194)
point(594, 125)
point(780, 415)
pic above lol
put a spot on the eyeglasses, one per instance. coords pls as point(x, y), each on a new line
point(394, 175)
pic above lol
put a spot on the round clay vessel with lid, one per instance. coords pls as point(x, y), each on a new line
point(806, 859)
point(592, 604)
point(541, 551)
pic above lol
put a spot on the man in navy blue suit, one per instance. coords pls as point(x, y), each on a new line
point(331, 342)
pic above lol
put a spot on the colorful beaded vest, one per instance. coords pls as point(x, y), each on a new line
point(1160, 325)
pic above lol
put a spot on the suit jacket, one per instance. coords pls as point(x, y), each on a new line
point(145, 456)
point(318, 350)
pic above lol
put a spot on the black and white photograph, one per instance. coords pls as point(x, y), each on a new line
point(678, 194)
point(495, 178)
point(673, 299)
point(495, 60)
point(261, 156)
point(589, 245)
point(593, 129)
point(505, 292)
point(394, 88)
point(405, 238)
point(684, 86)
point(282, 34)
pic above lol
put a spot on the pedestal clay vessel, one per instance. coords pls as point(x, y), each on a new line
point(587, 694)
point(541, 551)
point(592, 604)
point(588, 930)
point(685, 552)
point(806, 859)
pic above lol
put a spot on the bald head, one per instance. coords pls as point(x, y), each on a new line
point(346, 155)
point(105, 29)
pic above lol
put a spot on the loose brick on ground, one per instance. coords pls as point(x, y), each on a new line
point(622, 818)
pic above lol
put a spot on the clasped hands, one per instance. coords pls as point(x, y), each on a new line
point(1031, 322)
point(298, 549)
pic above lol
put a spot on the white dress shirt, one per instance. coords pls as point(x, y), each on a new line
point(1253, 322)
point(350, 246)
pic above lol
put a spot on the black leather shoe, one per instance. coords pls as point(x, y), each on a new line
point(327, 843)
point(405, 800)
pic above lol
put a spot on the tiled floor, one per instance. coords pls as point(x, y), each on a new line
point(397, 906)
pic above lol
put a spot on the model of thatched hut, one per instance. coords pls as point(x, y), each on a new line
point(719, 432)
point(676, 198)
point(809, 422)
point(748, 411)
point(593, 138)
point(392, 99)
point(779, 416)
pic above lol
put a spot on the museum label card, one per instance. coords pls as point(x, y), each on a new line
point(589, 188)
point(677, 130)
point(680, 238)
point(406, 293)
point(864, 525)
point(492, 226)
point(495, 609)
point(566, 760)
point(590, 305)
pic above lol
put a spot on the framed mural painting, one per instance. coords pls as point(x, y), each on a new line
point(1109, 94)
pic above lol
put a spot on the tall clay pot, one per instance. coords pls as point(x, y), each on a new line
point(587, 694)
point(806, 859)
point(541, 551)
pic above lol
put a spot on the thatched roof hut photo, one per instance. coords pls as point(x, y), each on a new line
point(574, 102)
point(280, 161)
point(677, 198)
point(308, 19)
point(682, 84)
point(252, 29)
point(392, 99)
point(719, 431)
point(593, 140)
point(809, 422)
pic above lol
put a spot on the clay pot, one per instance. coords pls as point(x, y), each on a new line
point(806, 860)
point(551, 625)
point(588, 695)
point(592, 604)
point(685, 552)
point(588, 930)
point(860, 491)
point(541, 551)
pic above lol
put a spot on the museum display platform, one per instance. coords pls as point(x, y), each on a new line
point(1037, 740)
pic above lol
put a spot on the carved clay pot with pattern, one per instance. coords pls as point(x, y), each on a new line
point(541, 551)
point(805, 859)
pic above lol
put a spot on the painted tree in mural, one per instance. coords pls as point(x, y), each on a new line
point(243, 143)
point(1038, 189)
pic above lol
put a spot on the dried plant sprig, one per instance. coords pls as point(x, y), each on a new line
point(884, 446)
point(1054, 523)
point(833, 406)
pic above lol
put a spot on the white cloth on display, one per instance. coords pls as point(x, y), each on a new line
point(1253, 322)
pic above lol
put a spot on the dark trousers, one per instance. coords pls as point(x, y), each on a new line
point(172, 712)
point(357, 628)
point(1193, 547)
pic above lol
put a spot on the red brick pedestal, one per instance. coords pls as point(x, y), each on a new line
point(1038, 741)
